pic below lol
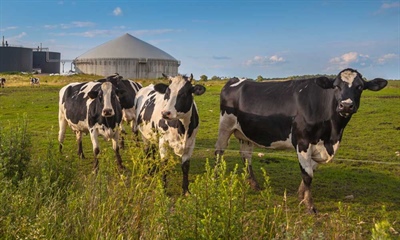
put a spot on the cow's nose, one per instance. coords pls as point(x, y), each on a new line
point(346, 106)
point(107, 112)
point(165, 114)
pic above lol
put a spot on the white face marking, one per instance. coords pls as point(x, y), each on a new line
point(348, 101)
point(348, 76)
point(107, 89)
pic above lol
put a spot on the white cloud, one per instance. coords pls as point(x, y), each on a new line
point(117, 11)
point(75, 24)
point(265, 60)
point(153, 31)
point(388, 7)
point(88, 34)
point(350, 59)
point(8, 28)
point(387, 57)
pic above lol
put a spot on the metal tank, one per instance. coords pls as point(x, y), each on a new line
point(128, 56)
point(15, 59)
point(47, 62)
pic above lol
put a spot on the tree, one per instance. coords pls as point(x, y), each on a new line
point(259, 78)
point(203, 78)
point(215, 78)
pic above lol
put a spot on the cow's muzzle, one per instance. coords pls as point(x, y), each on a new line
point(166, 114)
point(108, 112)
point(346, 108)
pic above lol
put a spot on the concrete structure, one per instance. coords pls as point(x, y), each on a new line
point(48, 62)
point(15, 59)
point(128, 56)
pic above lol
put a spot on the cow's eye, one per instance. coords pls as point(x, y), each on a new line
point(338, 87)
point(360, 87)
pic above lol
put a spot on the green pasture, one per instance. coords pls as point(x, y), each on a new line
point(357, 194)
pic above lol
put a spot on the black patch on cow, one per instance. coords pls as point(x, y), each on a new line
point(265, 130)
point(194, 121)
point(184, 100)
point(75, 103)
point(163, 124)
point(148, 108)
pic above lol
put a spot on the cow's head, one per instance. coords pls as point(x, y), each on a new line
point(348, 86)
point(178, 96)
point(107, 98)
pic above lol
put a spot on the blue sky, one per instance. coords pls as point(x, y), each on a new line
point(243, 38)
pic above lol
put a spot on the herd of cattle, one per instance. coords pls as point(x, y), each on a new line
point(33, 81)
point(307, 115)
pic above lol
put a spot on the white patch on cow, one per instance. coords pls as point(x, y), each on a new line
point(238, 83)
point(287, 144)
point(348, 76)
point(349, 101)
point(305, 161)
point(320, 154)
point(177, 84)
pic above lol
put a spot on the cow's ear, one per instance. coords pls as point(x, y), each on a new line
point(93, 94)
point(324, 82)
point(376, 84)
point(198, 89)
point(191, 77)
point(161, 87)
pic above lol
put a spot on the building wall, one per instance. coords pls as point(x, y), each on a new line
point(48, 62)
point(15, 59)
point(128, 68)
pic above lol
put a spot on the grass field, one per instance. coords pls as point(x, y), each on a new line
point(357, 195)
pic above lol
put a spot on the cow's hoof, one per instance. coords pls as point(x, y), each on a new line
point(254, 185)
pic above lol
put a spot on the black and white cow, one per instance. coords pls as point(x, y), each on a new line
point(167, 116)
point(94, 108)
point(35, 81)
point(307, 115)
point(127, 99)
point(2, 82)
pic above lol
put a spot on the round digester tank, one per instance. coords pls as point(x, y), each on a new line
point(48, 62)
point(15, 59)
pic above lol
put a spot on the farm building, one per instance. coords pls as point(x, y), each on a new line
point(128, 56)
point(15, 59)
point(22, 59)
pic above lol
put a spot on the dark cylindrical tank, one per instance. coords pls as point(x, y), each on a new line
point(16, 59)
point(48, 62)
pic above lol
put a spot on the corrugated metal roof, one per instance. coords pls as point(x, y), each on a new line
point(126, 46)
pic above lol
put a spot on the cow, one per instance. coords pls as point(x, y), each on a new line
point(2, 82)
point(127, 100)
point(308, 115)
point(94, 108)
point(35, 81)
point(167, 116)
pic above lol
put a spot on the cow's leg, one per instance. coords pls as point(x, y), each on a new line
point(307, 170)
point(62, 127)
point(163, 156)
point(185, 167)
point(246, 151)
point(225, 130)
point(96, 149)
point(116, 150)
point(79, 141)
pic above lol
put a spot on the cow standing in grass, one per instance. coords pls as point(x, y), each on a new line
point(93, 108)
point(167, 116)
point(127, 99)
point(2, 82)
point(308, 115)
point(35, 81)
